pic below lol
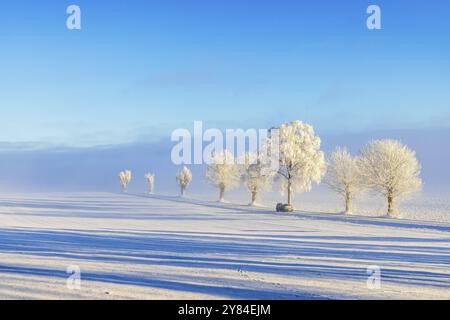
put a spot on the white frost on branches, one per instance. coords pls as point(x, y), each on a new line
point(184, 177)
point(343, 176)
point(301, 160)
point(223, 172)
point(390, 169)
point(256, 175)
point(150, 179)
point(124, 179)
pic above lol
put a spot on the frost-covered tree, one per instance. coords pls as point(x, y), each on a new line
point(150, 179)
point(184, 177)
point(301, 160)
point(256, 175)
point(223, 172)
point(343, 176)
point(124, 179)
point(391, 169)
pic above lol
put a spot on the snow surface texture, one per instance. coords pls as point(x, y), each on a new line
point(163, 247)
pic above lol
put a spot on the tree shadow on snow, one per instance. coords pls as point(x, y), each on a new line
point(305, 256)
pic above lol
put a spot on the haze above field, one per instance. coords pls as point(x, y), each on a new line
point(96, 168)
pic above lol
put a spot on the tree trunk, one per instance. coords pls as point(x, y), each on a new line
point(392, 211)
point(222, 193)
point(348, 203)
point(289, 193)
point(254, 194)
point(182, 191)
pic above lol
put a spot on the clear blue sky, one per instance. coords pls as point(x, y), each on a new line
point(139, 69)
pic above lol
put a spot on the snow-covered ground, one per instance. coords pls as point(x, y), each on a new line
point(163, 247)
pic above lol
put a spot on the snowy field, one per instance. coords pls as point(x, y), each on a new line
point(163, 247)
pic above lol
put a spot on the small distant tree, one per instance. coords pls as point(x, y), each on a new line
point(150, 179)
point(124, 179)
point(256, 175)
point(184, 177)
point(343, 176)
point(390, 169)
point(301, 160)
point(223, 172)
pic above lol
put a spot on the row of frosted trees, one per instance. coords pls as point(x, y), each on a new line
point(386, 167)
point(183, 177)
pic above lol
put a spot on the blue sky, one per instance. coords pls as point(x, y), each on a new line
point(139, 69)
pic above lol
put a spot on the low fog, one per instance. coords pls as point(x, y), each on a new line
point(96, 168)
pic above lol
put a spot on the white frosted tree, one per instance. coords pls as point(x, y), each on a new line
point(223, 172)
point(184, 177)
point(256, 175)
point(391, 169)
point(124, 179)
point(301, 160)
point(343, 176)
point(150, 179)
